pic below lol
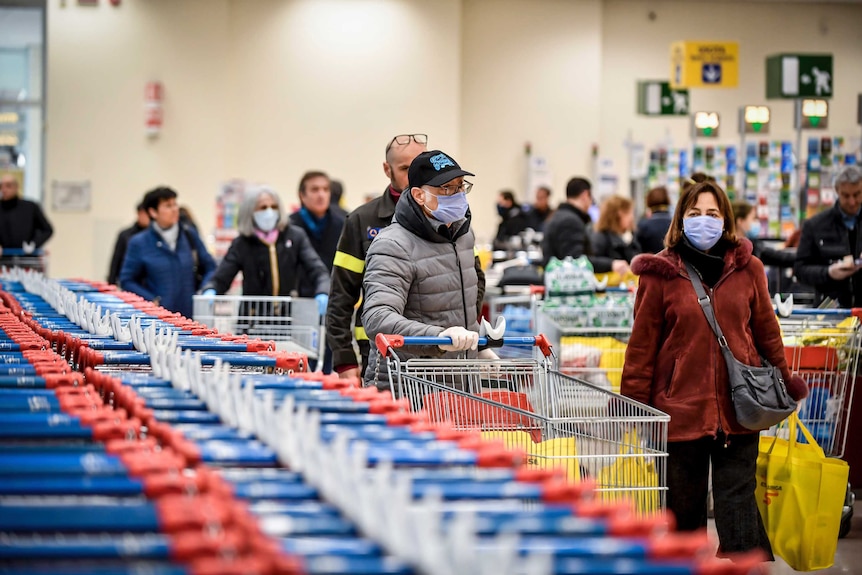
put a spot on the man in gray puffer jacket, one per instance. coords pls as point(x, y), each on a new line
point(420, 274)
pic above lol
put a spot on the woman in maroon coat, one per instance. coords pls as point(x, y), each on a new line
point(673, 363)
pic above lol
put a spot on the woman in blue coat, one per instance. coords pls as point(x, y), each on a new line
point(168, 262)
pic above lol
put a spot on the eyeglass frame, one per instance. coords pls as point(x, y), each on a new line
point(410, 137)
point(464, 188)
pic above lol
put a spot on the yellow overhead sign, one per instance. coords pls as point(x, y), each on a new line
point(704, 65)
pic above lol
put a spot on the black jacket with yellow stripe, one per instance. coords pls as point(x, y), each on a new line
point(360, 228)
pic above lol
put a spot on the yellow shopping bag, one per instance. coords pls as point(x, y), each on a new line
point(559, 453)
point(632, 477)
point(800, 493)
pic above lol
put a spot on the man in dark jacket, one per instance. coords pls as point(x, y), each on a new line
point(321, 223)
point(163, 263)
point(539, 213)
point(142, 223)
point(362, 226)
point(514, 221)
point(568, 231)
point(23, 226)
point(830, 246)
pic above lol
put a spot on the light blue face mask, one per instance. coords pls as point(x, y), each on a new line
point(450, 208)
point(703, 231)
point(265, 219)
point(754, 231)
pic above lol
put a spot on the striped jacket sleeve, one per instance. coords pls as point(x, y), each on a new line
point(345, 291)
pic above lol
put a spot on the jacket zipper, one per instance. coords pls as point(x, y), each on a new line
point(461, 277)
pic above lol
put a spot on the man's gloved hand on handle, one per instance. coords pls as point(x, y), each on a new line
point(462, 339)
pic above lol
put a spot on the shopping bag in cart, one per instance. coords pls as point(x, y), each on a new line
point(800, 493)
point(632, 476)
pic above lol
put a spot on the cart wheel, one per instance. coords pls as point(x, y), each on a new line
point(846, 524)
point(847, 514)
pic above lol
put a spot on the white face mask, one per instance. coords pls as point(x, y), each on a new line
point(266, 220)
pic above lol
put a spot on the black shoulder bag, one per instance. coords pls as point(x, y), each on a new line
point(759, 395)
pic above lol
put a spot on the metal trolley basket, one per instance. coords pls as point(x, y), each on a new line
point(18, 258)
point(559, 421)
point(822, 347)
point(294, 324)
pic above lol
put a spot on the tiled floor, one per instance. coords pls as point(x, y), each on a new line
point(848, 557)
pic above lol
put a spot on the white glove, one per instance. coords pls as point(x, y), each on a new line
point(28, 247)
point(488, 354)
point(462, 339)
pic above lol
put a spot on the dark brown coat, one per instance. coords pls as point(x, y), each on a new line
point(673, 361)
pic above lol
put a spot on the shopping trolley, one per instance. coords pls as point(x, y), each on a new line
point(17, 258)
point(822, 347)
point(559, 421)
point(293, 323)
point(591, 332)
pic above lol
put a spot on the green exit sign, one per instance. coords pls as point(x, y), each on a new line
point(657, 98)
point(799, 76)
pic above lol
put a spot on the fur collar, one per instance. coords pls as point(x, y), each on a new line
point(668, 264)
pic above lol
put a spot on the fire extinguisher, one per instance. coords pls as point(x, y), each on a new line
point(153, 113)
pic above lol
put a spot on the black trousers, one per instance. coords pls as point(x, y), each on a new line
point(734, 460)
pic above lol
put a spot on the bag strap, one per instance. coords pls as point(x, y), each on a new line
point(705, 304)
point(193, 245)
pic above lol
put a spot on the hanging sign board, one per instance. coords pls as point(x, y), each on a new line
point(704, 65)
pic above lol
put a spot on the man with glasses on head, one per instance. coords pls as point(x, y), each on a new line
point(420, 272)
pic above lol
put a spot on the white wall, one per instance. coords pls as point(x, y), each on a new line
point(259, 90)
point(635, 48)
point(265, 90)
point(325, 84)
point(99, 60)
point(531, 74)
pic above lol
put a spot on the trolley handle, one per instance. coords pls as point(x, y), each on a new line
point(856, 312)
point(386, 342)
point(18, 252)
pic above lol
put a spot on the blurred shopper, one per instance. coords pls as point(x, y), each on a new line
point(749, 227)
point(568, 231)
point(323, 225)
point(142, 223)
point(167, 263)
point(420, 277)
point(541, 210)
point(320, 222)
point(674, 363)
point(361, 227)
point(23, 226)
point(271, 254)
point(336, 194)
point(831, 245)
point(614, 238)
point(654, 225)
point(514, 221)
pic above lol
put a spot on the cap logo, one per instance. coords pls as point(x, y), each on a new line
point(440, 161)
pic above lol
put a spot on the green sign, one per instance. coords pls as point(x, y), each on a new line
point(657, 98)
point(799, 76)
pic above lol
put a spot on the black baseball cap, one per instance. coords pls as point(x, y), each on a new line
point(434, 168)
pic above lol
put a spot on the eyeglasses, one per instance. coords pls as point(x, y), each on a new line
point(465, 188)
point(404, 139)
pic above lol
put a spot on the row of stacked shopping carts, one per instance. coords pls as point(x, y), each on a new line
point(138, 441)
